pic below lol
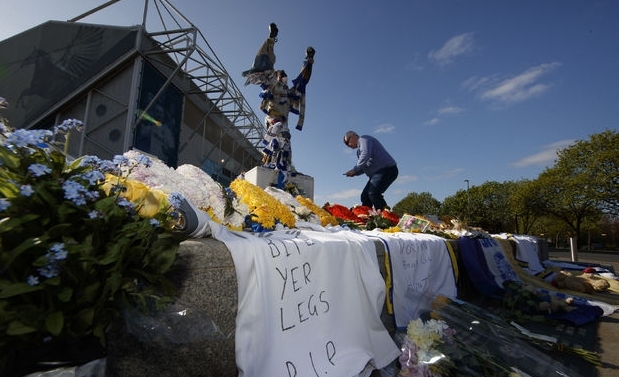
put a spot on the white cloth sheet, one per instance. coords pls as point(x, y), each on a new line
point(527, 251)
point(309, 303)
point(421, 268)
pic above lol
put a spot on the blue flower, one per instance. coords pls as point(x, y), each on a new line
point(93, 177)
point(32, 280)
point(39, 170)
point(95, 214)
point(22, 138)
point(26, 190)
point(175, 199)
point(124, 203)
point(74, 192)
point(90, 161)
point(68, 125)
point(154, 222)
point(144, 160)
point(120, 160)
point(48, 271)
point(4, 204)
point(58, 251)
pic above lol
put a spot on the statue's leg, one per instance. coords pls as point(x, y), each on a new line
point(265, 57)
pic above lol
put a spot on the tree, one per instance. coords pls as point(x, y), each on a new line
point(485, 206)
point(566, 193)
point(596, 164)
point(522, 203)
point(418, 204)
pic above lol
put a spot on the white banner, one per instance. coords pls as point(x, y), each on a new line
point(309, 303)
point(420, 268)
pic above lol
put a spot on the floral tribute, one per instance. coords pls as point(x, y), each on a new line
point(421, 354)
point(325, 217)
point(79, 241)
point(265, 211)
point(458, 338)
point(364, 217)
point(195, 185)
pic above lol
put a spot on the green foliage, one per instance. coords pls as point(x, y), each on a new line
point(579, 192)
point(71, 256)
point(418, 204)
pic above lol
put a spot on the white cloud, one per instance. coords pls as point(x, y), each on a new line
point(384, 128)
point(445, 174)
point(443, 111)
point(450, 110)
point(514, 89)
point(545, 157)
point(405, 179)
point(346, 194)
point(456, 46)
point(432, 122)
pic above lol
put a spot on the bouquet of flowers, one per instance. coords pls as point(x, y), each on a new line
point(457, 338)
point(79, 241)
point(421, 349)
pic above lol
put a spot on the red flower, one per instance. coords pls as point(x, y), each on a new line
point(341, 212)
point(391, 216)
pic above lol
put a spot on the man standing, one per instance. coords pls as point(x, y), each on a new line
point(373, 160)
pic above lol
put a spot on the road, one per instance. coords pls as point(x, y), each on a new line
point(610, 258)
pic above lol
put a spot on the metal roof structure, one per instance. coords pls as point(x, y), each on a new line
point(183, 42)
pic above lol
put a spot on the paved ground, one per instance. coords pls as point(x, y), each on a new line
point(606, 331)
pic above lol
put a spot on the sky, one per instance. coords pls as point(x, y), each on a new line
point(460, 92)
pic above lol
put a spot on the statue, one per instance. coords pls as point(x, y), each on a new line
point(278, 101)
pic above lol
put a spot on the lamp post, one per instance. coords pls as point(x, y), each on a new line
point(467, 200)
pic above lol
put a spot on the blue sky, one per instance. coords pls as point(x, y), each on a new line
point(456, 90)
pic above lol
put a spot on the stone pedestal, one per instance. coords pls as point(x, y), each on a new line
point(205, 273)
point(265, 177)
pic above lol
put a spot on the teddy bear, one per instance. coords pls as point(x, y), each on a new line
point(584, 283)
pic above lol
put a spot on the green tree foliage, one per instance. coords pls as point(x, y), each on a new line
point(594, 165)
point(523, 204)
point(418, 204)
point(578, 195)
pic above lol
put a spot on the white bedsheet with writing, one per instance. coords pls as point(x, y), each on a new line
point(309, 303)
point(420, 268)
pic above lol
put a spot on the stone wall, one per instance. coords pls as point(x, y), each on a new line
point(206, 276)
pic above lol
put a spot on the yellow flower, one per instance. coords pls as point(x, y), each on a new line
point(264, 207)
point(325, 217)
point(148, 202)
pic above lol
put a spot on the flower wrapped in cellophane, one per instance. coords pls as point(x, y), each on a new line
point(477, 344)
point(196, 186)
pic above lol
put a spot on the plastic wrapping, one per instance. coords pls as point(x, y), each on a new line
point(95, 368)
point(179, 323)
point(454, 337)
